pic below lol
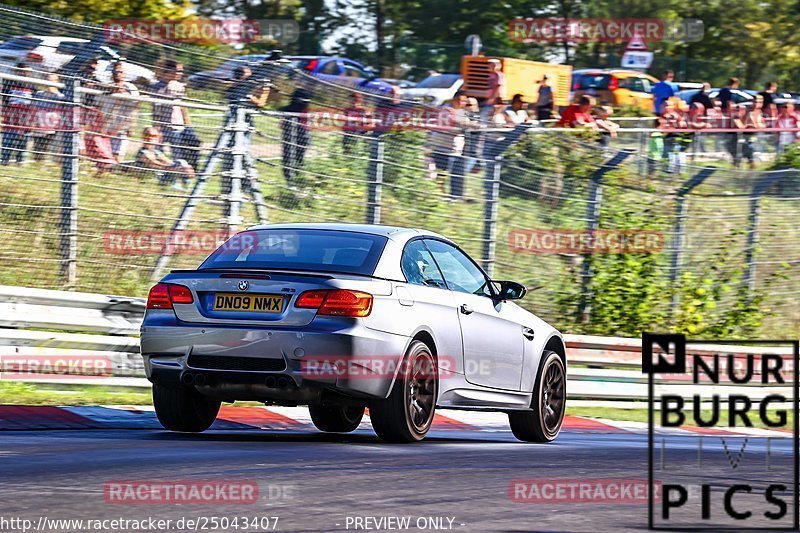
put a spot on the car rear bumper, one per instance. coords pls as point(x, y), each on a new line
point(325, 358)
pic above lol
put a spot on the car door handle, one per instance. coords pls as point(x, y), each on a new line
point(465, 309)
point(527, 333)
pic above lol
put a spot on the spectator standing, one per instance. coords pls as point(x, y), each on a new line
point(496, 88)
point(787, 119)
point(295, 137)
point(355, 122)
point(545, 102)
point(702, 97)
point(608, 128)
point(119, 114)
point(753, 120)
point(725, 96)
point(172, 120)
point(738, 118)
point(48, 108)
point(768, 94)
point(447, 143)
point(662, 91)
point(673, 119)
point(17, 100)
point(579, 114)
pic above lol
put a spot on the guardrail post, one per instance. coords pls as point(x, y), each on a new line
point(593, 222)
point(752, 226)
point(238, 152)
point(491, 198)
point(680, 231)
point(69, 187)
point(375, 175)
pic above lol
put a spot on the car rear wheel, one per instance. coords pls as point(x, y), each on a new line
point(336, 418)
point(543, 422)
point(406, 415)
point(184, 409)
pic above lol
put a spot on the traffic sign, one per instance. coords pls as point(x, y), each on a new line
point(637, 43)
point(637, 60)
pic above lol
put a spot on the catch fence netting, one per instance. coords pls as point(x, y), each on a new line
point(105, 189)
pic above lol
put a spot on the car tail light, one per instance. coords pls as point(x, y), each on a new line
point(163, 295)
point(336, 302)
point(613, 83)
point(33, 57)
point(311, 65)
point(576, 86)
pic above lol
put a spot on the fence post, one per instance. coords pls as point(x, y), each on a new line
point(375, 183)
point(69, 187)
point(491, 198)
point(752, 226)
point(458, 167)
point(238, 153)
point(680, 231)
point(592, 224)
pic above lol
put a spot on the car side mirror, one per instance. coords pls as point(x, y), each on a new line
point(510, 290)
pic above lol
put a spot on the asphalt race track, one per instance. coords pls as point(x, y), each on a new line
point(319, 482)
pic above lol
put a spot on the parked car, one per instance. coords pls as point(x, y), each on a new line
point(342, 317)
point(334, 69)
point(220, 77)
point(49, 54)
point(402, 84)
point(342, 71)
point(740, 96)
point(614, 87)
point(435, 90)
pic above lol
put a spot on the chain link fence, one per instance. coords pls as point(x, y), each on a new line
point(112, 173)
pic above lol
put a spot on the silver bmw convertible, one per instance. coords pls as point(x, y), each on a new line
point(344, 317)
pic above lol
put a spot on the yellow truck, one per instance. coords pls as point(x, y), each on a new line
point(521, 77)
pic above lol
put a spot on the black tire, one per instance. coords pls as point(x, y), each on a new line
point(336, 418)
point(543, 422)
point(417, 384)
point(184, 409)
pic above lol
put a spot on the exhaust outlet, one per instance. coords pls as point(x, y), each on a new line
point(283, 382)
point(270, 382)
point(200, 379)
point(187, 378)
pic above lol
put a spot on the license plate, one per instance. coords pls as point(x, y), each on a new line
point(257, 303)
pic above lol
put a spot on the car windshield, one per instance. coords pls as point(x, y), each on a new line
point(21, 43)
point(337, 251)
point(439, 81)
point(594, 81)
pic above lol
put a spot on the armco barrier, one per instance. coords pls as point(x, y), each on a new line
point(600, 368)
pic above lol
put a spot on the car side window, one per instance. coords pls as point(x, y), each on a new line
point(419, 267)
point(331, 67)
point(352, 70)
point(460, 273)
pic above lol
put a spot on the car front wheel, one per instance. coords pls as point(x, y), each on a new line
point(184, 409)
point(406, 415)
point(542, 422)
